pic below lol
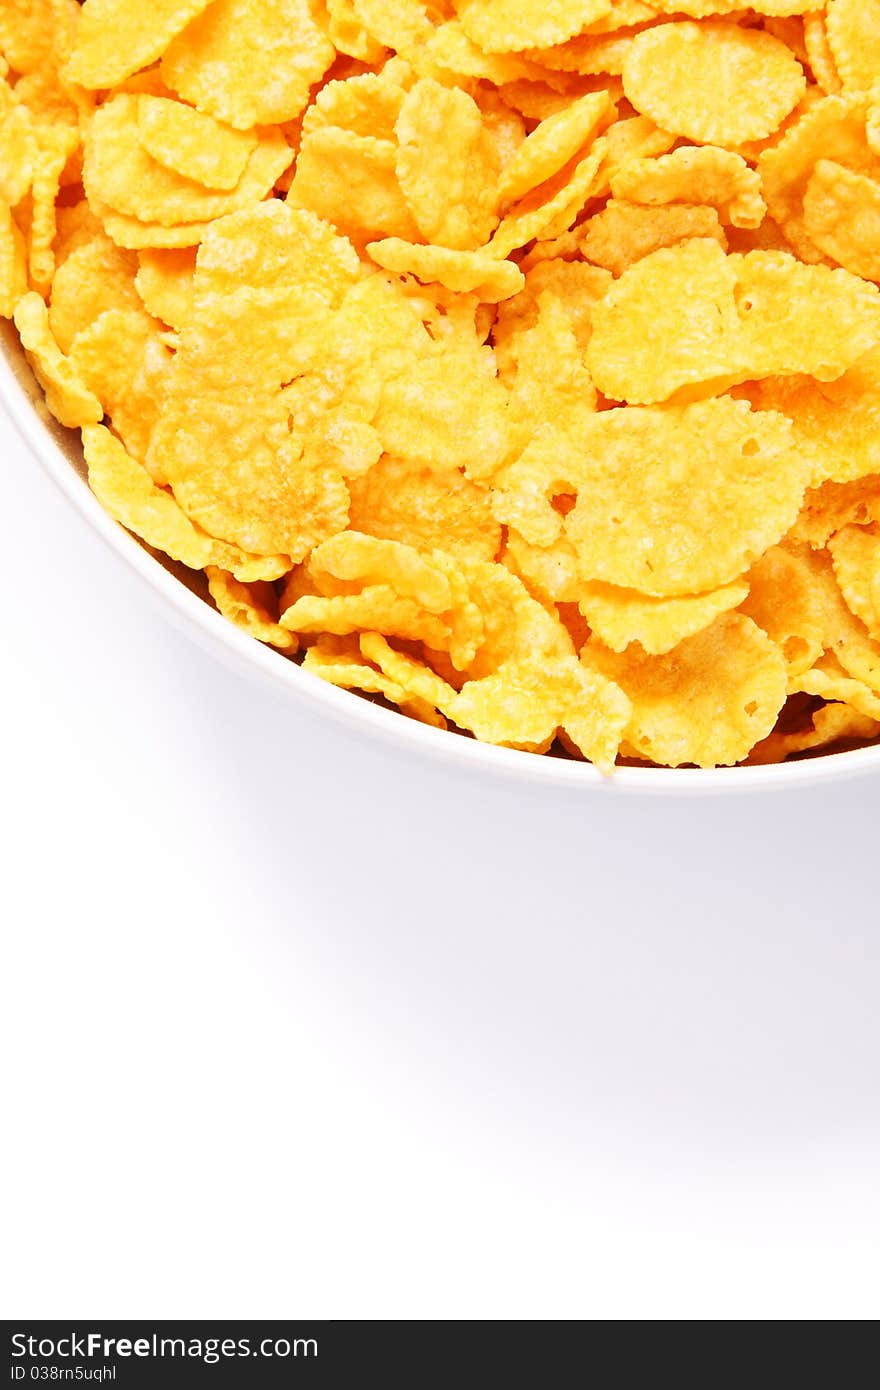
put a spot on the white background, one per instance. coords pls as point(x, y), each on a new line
point(296, 1027)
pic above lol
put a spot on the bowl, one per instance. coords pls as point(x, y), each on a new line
point(185, 599)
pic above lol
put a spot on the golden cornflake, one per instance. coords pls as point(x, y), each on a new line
point(715, 83)
point(623, 233)
point(855, 552)
point(261, 81)
point(425, 507)
point(553, 143)
point(509, 26)
point(853, 29)
point(95, 277)
point(698, 175)
point(131, 387)
point(13, 264)
point(447, 165)
point(251, 607)
point(67, 396)
point(463, 271)
point(673, 500)
point(119, 174)
point(193, 145)
point(708, 701)
point(164, 281)
point(724, 320)
point(115, 38)
point(620, 617)
point(128, 493)
point(842, 217)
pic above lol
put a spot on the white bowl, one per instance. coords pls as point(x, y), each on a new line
point(187, 604)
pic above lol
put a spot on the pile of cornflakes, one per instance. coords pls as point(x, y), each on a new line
point(515, 362)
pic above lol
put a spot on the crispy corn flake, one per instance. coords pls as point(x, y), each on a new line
point(376, 608)
point(550, 209)
point(725, 320)
point(624, 14)
point(245, 476)
point(273, 247)
point(348, 35)
point(819, 55)
point(356, 559)
point(251, 607)
point(855, 552)
point(527, 706)
point(118, 172)
point(133, 235)
point(849, 646)
point(76, 225)
point(634, 137)
point(262, 81)
point(56, 144)
point(836, 424)
point(715, 83)
point(68, 398)
point(130, 386)
point(463, 271)
point(836, 322)
point(19, 147)
point(447, 166)
point(829, 681)
point(831, 506)
point(447, 409)
point(505, 124)
point(708, 701)
point(620, 617)
point(588, 54)
point(509, 26)
point(13, 263)
point(835, 129)
point(425, 507)
point(842, 217)
point(248, 481)
point(540, 341)
point(853, 29)
point(670, 501)
point(783, 602)
point(576, 289)
point(451, 51)
point(115, 38)
point(414, 677)
point(829, 725)
point(550, 573)
point(350, 671)
point(404, 25)
point(131, 497)
point(194, 145)
point(699, 175)
point(553, 143)
point(164, 281)
point(339, 660)
point(95, 277)
point(351, 180)
point(624, 233)
point(37, 35)
point(365, 105)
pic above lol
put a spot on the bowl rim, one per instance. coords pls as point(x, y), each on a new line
point(52, 447)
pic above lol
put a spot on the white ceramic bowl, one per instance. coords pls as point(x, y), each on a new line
point(186, 603)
